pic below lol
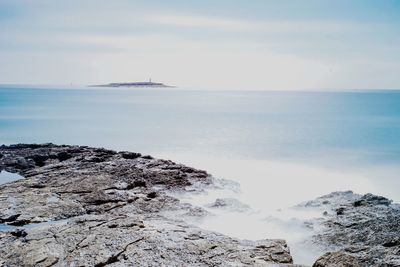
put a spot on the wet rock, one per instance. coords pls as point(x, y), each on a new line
point(152, 195)
point(37, 185)
point(392, 242)
point(29, 146)
point(63, 155)
point(139, 183)
point(105, 211)
point(340, 211)
point(231, 204)
point(19, 233)
point(370, 199)
point(367, 226)
point(15, 163)
point(112, 210)
point(103, 151)
point(94, 159)
point(130, 155)
point(336, 259)
point(39, 159)
point(9, 218)
point(334, 198)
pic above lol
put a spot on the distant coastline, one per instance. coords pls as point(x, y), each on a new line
point(133, 84)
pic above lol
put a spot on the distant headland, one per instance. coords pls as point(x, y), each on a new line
point(133, 84)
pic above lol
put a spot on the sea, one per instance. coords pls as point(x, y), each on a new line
point(268, 150)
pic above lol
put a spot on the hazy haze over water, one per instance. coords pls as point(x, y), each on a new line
point(280, 148)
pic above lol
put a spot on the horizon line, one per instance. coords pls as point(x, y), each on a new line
point(70, 85)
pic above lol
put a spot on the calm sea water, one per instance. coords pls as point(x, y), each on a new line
point(263, 125)
point(281, 147)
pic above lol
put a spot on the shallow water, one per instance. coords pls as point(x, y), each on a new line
point(6, 227)
point(282, 148)
point(7, 177)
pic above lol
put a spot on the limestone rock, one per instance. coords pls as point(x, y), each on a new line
point(82, 206)
point(365, 226)
point(336, 259)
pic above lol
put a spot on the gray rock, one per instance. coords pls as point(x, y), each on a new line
point(366, 227)
point(230, 204)
point(130, 155)
point(19, 233)
point(336, 259)
point(82, 206)
point(370, 199)
point(63, 155)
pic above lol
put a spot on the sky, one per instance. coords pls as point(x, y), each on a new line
point(208, 44)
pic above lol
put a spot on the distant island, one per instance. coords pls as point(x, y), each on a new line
point(133, 84)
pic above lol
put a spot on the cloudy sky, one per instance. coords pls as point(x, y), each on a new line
point(227, 44)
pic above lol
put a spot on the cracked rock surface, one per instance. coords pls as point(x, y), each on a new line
point(360, 230)
point(82, 206)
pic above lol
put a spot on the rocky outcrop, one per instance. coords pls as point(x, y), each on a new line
point(82, 206)
point(336, 259)
point(230, 204)
point(361, 228)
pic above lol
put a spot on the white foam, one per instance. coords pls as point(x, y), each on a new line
point(270, 189)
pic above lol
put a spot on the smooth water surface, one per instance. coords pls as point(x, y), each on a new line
point(7, 177)
point(281, 147)
point(363, 127)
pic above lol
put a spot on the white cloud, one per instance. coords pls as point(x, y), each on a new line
point(215, 23)
point(272, 26)
point(194, 50)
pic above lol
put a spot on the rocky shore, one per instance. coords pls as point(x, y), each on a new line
point(82, 206)
point(363, 230)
